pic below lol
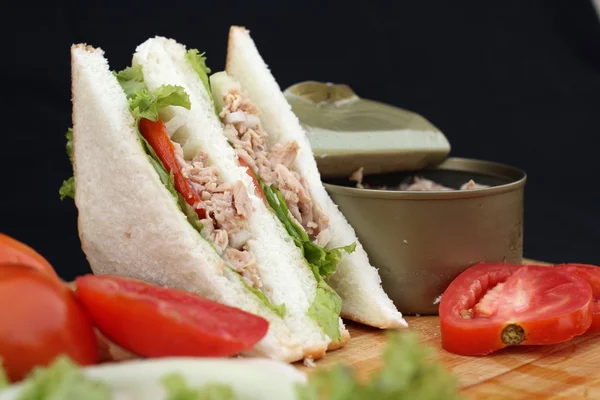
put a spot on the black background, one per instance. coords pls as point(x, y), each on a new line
point(516, 82)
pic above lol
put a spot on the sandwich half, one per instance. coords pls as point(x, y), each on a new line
point(139, 217)
point(279, 152)
point(263, 252)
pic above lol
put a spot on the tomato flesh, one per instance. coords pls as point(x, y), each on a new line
point(40, 319)
point(158, 137)
point(154, 321)
point(492, 306)
point(259, 192)
point(15, 252)
point(591, 274)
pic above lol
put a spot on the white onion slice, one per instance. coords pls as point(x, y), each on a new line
point(252, 120)
point(235, 117)
point(175, 123)
point(239, 239)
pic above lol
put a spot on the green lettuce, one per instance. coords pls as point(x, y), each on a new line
point(3, 377)
point(144, 104)
point(198, 62)
point(279, 310)
point(177, 389)
point(67, 189)
point(327, 305)
point(62, 380)
point(325, 260)
point(406, 374)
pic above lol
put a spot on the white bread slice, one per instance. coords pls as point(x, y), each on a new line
point(356, 281)
point(129, 223)
point(286, 277)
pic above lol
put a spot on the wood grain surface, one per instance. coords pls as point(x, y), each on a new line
point(569, 370)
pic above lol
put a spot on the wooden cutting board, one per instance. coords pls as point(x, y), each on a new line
point(568, 370)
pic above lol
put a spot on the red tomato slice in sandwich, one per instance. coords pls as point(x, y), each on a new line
point(591, 274)
point(259, 192)
point(154, 321)
point(492, 306)
point(157, 136)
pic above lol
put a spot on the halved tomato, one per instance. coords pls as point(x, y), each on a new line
point(40, 319)
point(591, 274)
point(15, 252)
point(492, 306)
point(154, 321)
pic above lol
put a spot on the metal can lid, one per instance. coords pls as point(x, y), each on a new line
point(347, 132)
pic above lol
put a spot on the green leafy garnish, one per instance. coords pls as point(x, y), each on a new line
point(327, 305)
point(67, 189)
point(62, 380)
point(326, 308)
point(406, 374)
point(325, 260)
point(3, 377)
point(279, 310)
point(177, 389)
point(198, 62)
point(144, 104)
point(147, 105)
point(69, 146)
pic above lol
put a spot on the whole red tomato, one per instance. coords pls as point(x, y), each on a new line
point(40, 318)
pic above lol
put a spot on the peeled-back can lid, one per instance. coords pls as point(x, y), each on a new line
point(347, 132)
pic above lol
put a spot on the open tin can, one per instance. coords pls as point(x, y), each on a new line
point(419, 240)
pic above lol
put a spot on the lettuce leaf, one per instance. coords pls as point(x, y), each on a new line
point(406, 374)
point(144, 104)
point(177, 389)
point(327, 305)
point(3, 377)
point(198, 62)
point(326, 308)
point(67, 189)
point(62, 380)
point(325, 260)
point(280, 310)
point(69, 146)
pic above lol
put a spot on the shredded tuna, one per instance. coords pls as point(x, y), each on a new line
point(422, 184)
point(472, 185)
point(227, 211)
point(357, 176)
point(243, 262)
point(274, 165)
point(414, 184)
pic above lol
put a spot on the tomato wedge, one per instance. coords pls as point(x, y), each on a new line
point(492, 306)
point(591, 274)
point(40, 320)
point(157, 136)
point(259, 192)
point(154, 321)
point(17, 253)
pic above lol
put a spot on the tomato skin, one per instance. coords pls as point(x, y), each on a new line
point(591, 273)
point(154, 321)
point(15, 252)
point(558, 310)
point(40, 319)
point(158, 137)
point(259, 192)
